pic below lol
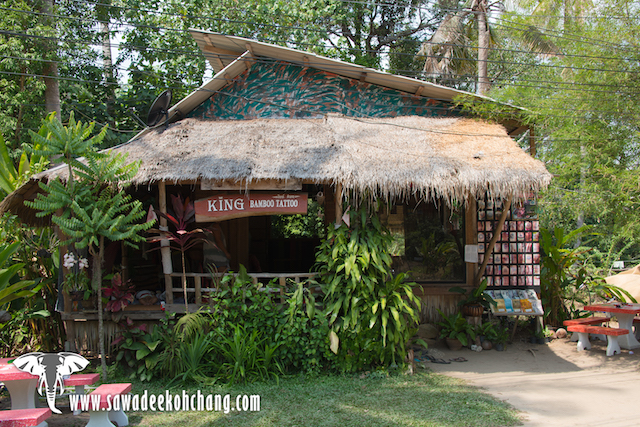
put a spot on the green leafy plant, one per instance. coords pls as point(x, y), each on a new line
point(246, 356)
point(502, 335)
point(487, 330)
point(16, 332)
point(141, 348)
point(476, 296)
point(10, 177)
point(563, 276)
point(240, 301)
point(302, 336)
point(456, 326)
point(10, 288)
point(194, 360)
point(370, 312)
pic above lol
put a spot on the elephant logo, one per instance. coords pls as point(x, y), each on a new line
point(51, 368)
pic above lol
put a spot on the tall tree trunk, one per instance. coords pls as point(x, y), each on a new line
point(581, 191)
point(184, 283)
point(97, 288)
point(107, 61)
point(52, 88)
point(483, 48)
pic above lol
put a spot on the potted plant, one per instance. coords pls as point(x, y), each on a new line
point(455, 330)
point(77, 283)
point(500, 339)
point(473, 303)
point(487, 333)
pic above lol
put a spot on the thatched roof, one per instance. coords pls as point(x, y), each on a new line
point(448, 157)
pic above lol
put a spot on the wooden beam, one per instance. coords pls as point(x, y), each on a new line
point(532, 142)
point(363, 76)
point(497, 231)
point(251, 58)
point(198, 286)
point(338, 201)
point(165, 249)
point(471, 235)
point(305, 60)
point(218, 61)
point(222, 52)
point(518, 130)
point(228, 78)
point(419, 91)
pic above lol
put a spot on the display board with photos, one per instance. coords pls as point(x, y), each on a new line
point(515, 261)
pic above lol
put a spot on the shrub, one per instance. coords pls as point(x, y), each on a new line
point(370, 312)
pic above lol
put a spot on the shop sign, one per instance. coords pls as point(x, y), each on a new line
point(229, 206)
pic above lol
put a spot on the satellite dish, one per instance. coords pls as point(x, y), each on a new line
point(159, 108)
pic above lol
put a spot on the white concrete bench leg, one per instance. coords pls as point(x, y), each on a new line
point(612, 345)
point(99, 419)
point(583, 341)
point(601, 337)
point(119, 417)
point(79, 391)
point(574, 337)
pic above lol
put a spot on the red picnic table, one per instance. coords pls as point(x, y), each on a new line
point(21, 385)
point(624, 313)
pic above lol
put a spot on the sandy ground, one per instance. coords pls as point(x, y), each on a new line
point(554, 384)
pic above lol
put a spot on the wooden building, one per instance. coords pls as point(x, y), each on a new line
point(278, 125)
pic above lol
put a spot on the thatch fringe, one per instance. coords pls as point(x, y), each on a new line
point(450, 158)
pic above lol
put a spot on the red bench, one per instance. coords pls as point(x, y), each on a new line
point(612, 336)
point(79, 381)
point(24, 417)
point(100, 417)
point(586, 321)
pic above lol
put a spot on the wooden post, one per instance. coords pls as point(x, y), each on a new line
point(283, 284)
point(532, 142)
point(125, 262)
point(338, 203)
point(471, 235)
point(198, 286)
point(497, 231)
point(165, 250)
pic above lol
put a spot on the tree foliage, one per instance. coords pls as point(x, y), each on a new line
point(91, 206)
point(585, 111)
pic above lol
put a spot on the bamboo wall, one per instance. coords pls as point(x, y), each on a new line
point(84, 335)
point(447, 303)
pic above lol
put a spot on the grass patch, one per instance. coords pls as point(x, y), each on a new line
point(424, 399)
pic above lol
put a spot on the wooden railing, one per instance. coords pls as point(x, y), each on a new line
point(194, 285)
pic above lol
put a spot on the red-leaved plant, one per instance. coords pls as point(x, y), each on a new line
point(182, 239)
point(119, 294)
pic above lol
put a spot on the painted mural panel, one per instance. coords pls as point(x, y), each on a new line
point(284, 90)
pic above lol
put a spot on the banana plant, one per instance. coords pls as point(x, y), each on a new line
point(9, 289)
point(10, 177)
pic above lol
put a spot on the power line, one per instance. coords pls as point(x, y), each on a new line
point(185, 86)
point(156, 27)
point(461, 78)
point(337, 67)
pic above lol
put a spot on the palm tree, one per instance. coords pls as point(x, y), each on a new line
point(450, 51)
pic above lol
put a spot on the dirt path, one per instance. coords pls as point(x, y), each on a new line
point(553, 384)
